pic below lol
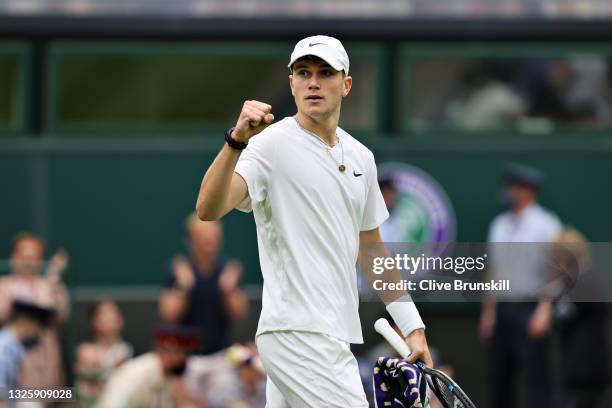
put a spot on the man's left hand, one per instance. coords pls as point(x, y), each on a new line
point(418, 347)
point(540, 321)
point(56, 267)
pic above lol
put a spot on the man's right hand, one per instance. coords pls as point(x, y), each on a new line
point(486, 325)
point(183, 273)
point(254, 117)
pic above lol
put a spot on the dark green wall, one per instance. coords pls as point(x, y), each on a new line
point(120, 215)
point(119, 210)
point(577, 185)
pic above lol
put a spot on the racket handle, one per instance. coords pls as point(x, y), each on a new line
point(383, 327)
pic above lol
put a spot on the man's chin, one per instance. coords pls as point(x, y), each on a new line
point(26, 270)
point(26, 267)
point(316, 112)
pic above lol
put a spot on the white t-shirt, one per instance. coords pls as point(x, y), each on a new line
point(138, 383)
point(518, 244)
point(308, 216)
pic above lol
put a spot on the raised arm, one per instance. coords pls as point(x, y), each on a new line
point(222, 189)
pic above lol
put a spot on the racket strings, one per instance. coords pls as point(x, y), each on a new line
point(446, 391)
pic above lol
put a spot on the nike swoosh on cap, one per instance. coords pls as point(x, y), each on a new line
point(313, 44)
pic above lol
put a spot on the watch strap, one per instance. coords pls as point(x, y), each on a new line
point(231, 142)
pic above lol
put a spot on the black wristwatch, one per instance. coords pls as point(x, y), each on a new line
point(231, 142)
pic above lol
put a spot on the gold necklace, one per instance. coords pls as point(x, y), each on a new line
point(341, 165)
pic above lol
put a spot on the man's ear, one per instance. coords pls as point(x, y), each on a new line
point(291, 84)
point(347, 85)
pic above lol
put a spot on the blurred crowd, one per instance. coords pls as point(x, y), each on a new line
point(534, 94)
point(414, 8)
point(194, 363)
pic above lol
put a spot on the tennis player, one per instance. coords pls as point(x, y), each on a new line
point(317, 205)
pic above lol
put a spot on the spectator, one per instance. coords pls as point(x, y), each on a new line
point(485, 100)
point(153, 379)
point(25, 326)
point(103, 353)
point(518, 322)
point(204, 292)
point(389, 230)
point(569, 91)
point(30, 281)
point(582, 325)
point(251, 386)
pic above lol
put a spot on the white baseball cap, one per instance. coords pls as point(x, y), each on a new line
point(327, 48)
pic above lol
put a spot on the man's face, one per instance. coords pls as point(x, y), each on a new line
point(108, 320)
point(318, 89)
point(27, 255)
point(389, 195)
point(205, 238)
point(174, 362)
point(519, 195)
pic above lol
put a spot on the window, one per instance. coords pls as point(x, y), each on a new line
point(11, 87)
point(511, 89)
point(182, 88)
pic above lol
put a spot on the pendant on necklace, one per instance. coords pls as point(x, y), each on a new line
point(342, 167)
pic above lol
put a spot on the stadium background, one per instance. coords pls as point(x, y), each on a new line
point(111, 111)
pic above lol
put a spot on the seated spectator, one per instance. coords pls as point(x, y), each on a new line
point(32, 281)
point(251, 388)
point(154, 379)
point(582, 325)
point(484, 101)
point(22, 332)
point(104, 352)
point(567, 91)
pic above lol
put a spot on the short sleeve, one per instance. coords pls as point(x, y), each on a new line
point(492, 233)
point(554, 228)
point(255, 167)
point(375, 212)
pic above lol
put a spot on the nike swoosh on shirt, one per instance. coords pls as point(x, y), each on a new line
point(357, 174)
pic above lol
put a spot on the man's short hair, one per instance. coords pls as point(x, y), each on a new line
point(386, 182)
point(24, 236)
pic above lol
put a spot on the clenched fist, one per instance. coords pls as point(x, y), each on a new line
point(254, 117)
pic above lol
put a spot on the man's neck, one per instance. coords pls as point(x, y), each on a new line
point(204, 263)
point(27, 275)
point(520, 208)
point(325, 128)
point(106, 340)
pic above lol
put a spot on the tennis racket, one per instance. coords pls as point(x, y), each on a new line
point(447, 391)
